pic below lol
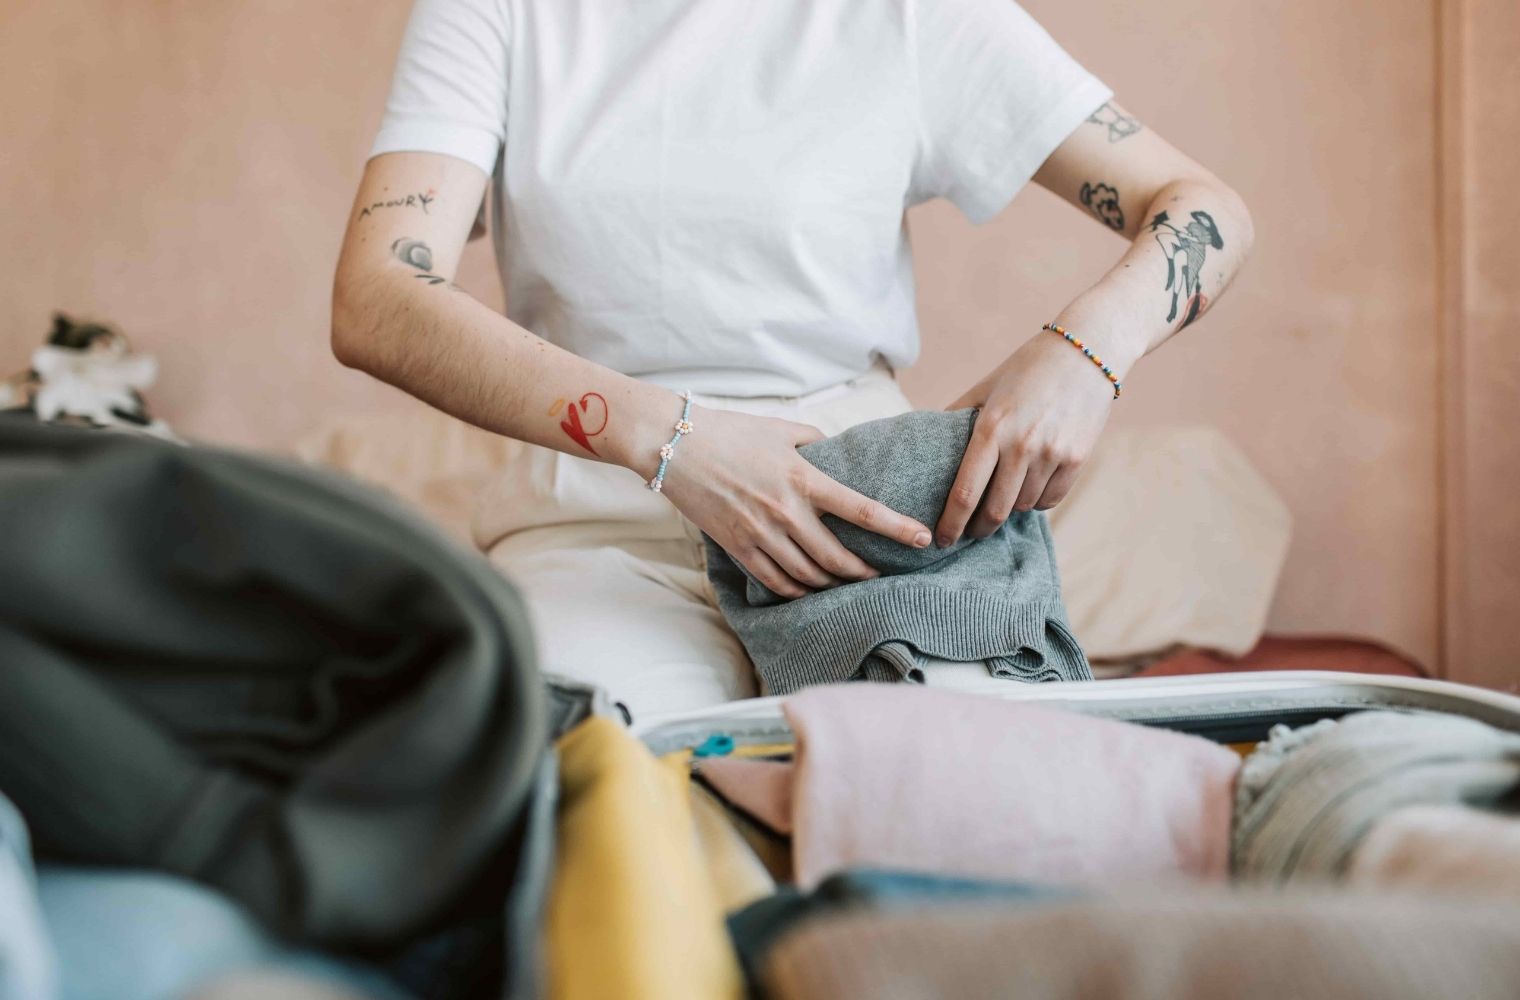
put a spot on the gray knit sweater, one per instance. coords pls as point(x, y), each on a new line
point(995, 600)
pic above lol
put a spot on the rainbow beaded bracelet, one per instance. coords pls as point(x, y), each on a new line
point(682, 426)
point(1109, 372)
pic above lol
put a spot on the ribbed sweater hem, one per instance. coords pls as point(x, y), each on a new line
point(962, 625)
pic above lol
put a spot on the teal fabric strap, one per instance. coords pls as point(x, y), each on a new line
point(668, 449)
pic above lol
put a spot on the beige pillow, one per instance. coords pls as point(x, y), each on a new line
point(429, 459)
point(1168, 538)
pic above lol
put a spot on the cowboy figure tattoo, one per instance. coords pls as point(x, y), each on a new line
point(1185, 249)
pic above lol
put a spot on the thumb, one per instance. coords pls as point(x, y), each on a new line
point(974, 396)
point(804, 433)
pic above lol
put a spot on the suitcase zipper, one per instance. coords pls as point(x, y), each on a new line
point(1244, 727)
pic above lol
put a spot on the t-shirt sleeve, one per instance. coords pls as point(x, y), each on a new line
point(996, 95)
point(449, 91)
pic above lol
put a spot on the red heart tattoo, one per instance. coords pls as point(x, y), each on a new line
point(571, 425)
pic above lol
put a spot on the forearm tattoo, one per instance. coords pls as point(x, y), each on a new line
point(597, 415)
point(1120, 125)
point(422, 199)
point(1185, 249)
point(419, 255)
point(1103, 201)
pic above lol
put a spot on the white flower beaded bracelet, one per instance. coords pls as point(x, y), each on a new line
point(683, 427)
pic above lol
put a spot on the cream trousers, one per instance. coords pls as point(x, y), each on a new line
point(615, 577)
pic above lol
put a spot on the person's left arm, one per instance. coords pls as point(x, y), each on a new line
point(1043, 408)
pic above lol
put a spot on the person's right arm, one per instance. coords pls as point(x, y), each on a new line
point(398, 316)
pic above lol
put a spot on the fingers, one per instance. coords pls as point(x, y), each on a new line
point(1035, 478)
point(1042, 485)
point(1060, 484)
point(825, 548)
point(798, 565)
point(764, 569)
point(997, 503)
point(860, 510)
point(977, 466)
point(1058, 468)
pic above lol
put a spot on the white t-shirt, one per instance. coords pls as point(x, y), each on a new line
point(709, 194)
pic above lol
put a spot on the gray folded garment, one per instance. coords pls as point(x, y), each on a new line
point(995, 600)
point(1307, 797)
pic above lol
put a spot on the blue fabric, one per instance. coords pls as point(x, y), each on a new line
point(137, 935)
point(28, 967)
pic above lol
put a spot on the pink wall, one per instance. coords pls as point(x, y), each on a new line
point(1320, 361)
point(1480, 217)
point(185, 170)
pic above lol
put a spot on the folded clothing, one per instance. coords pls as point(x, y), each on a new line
point(1308, 796)
point(1193, 945)
point(633, 912)
point(758, 926)
point(914, 778)
point(995, 600)
point(1447, 848)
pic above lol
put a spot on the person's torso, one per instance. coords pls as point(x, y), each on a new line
point(710, 193)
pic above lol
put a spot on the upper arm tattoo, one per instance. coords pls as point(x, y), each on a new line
point(1103, 201)
point(421, 199)
point(1120, 125)
point(1185, 249)
point(413, 252)
point(419, 255)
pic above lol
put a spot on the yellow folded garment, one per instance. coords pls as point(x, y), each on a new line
point(736, 872)
point(632, 910)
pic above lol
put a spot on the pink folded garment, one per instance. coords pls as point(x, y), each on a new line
point(914, 778)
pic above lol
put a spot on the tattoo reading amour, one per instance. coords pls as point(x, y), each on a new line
point(1120, 125)
point(419, 200)
point(1186, 247)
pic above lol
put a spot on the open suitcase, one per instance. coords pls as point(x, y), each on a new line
point(1226, 708)
point(676, 906)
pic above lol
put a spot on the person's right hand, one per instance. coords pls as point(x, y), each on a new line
point(739, 478)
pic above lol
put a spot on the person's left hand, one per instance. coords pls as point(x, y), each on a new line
point(1041, 413)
